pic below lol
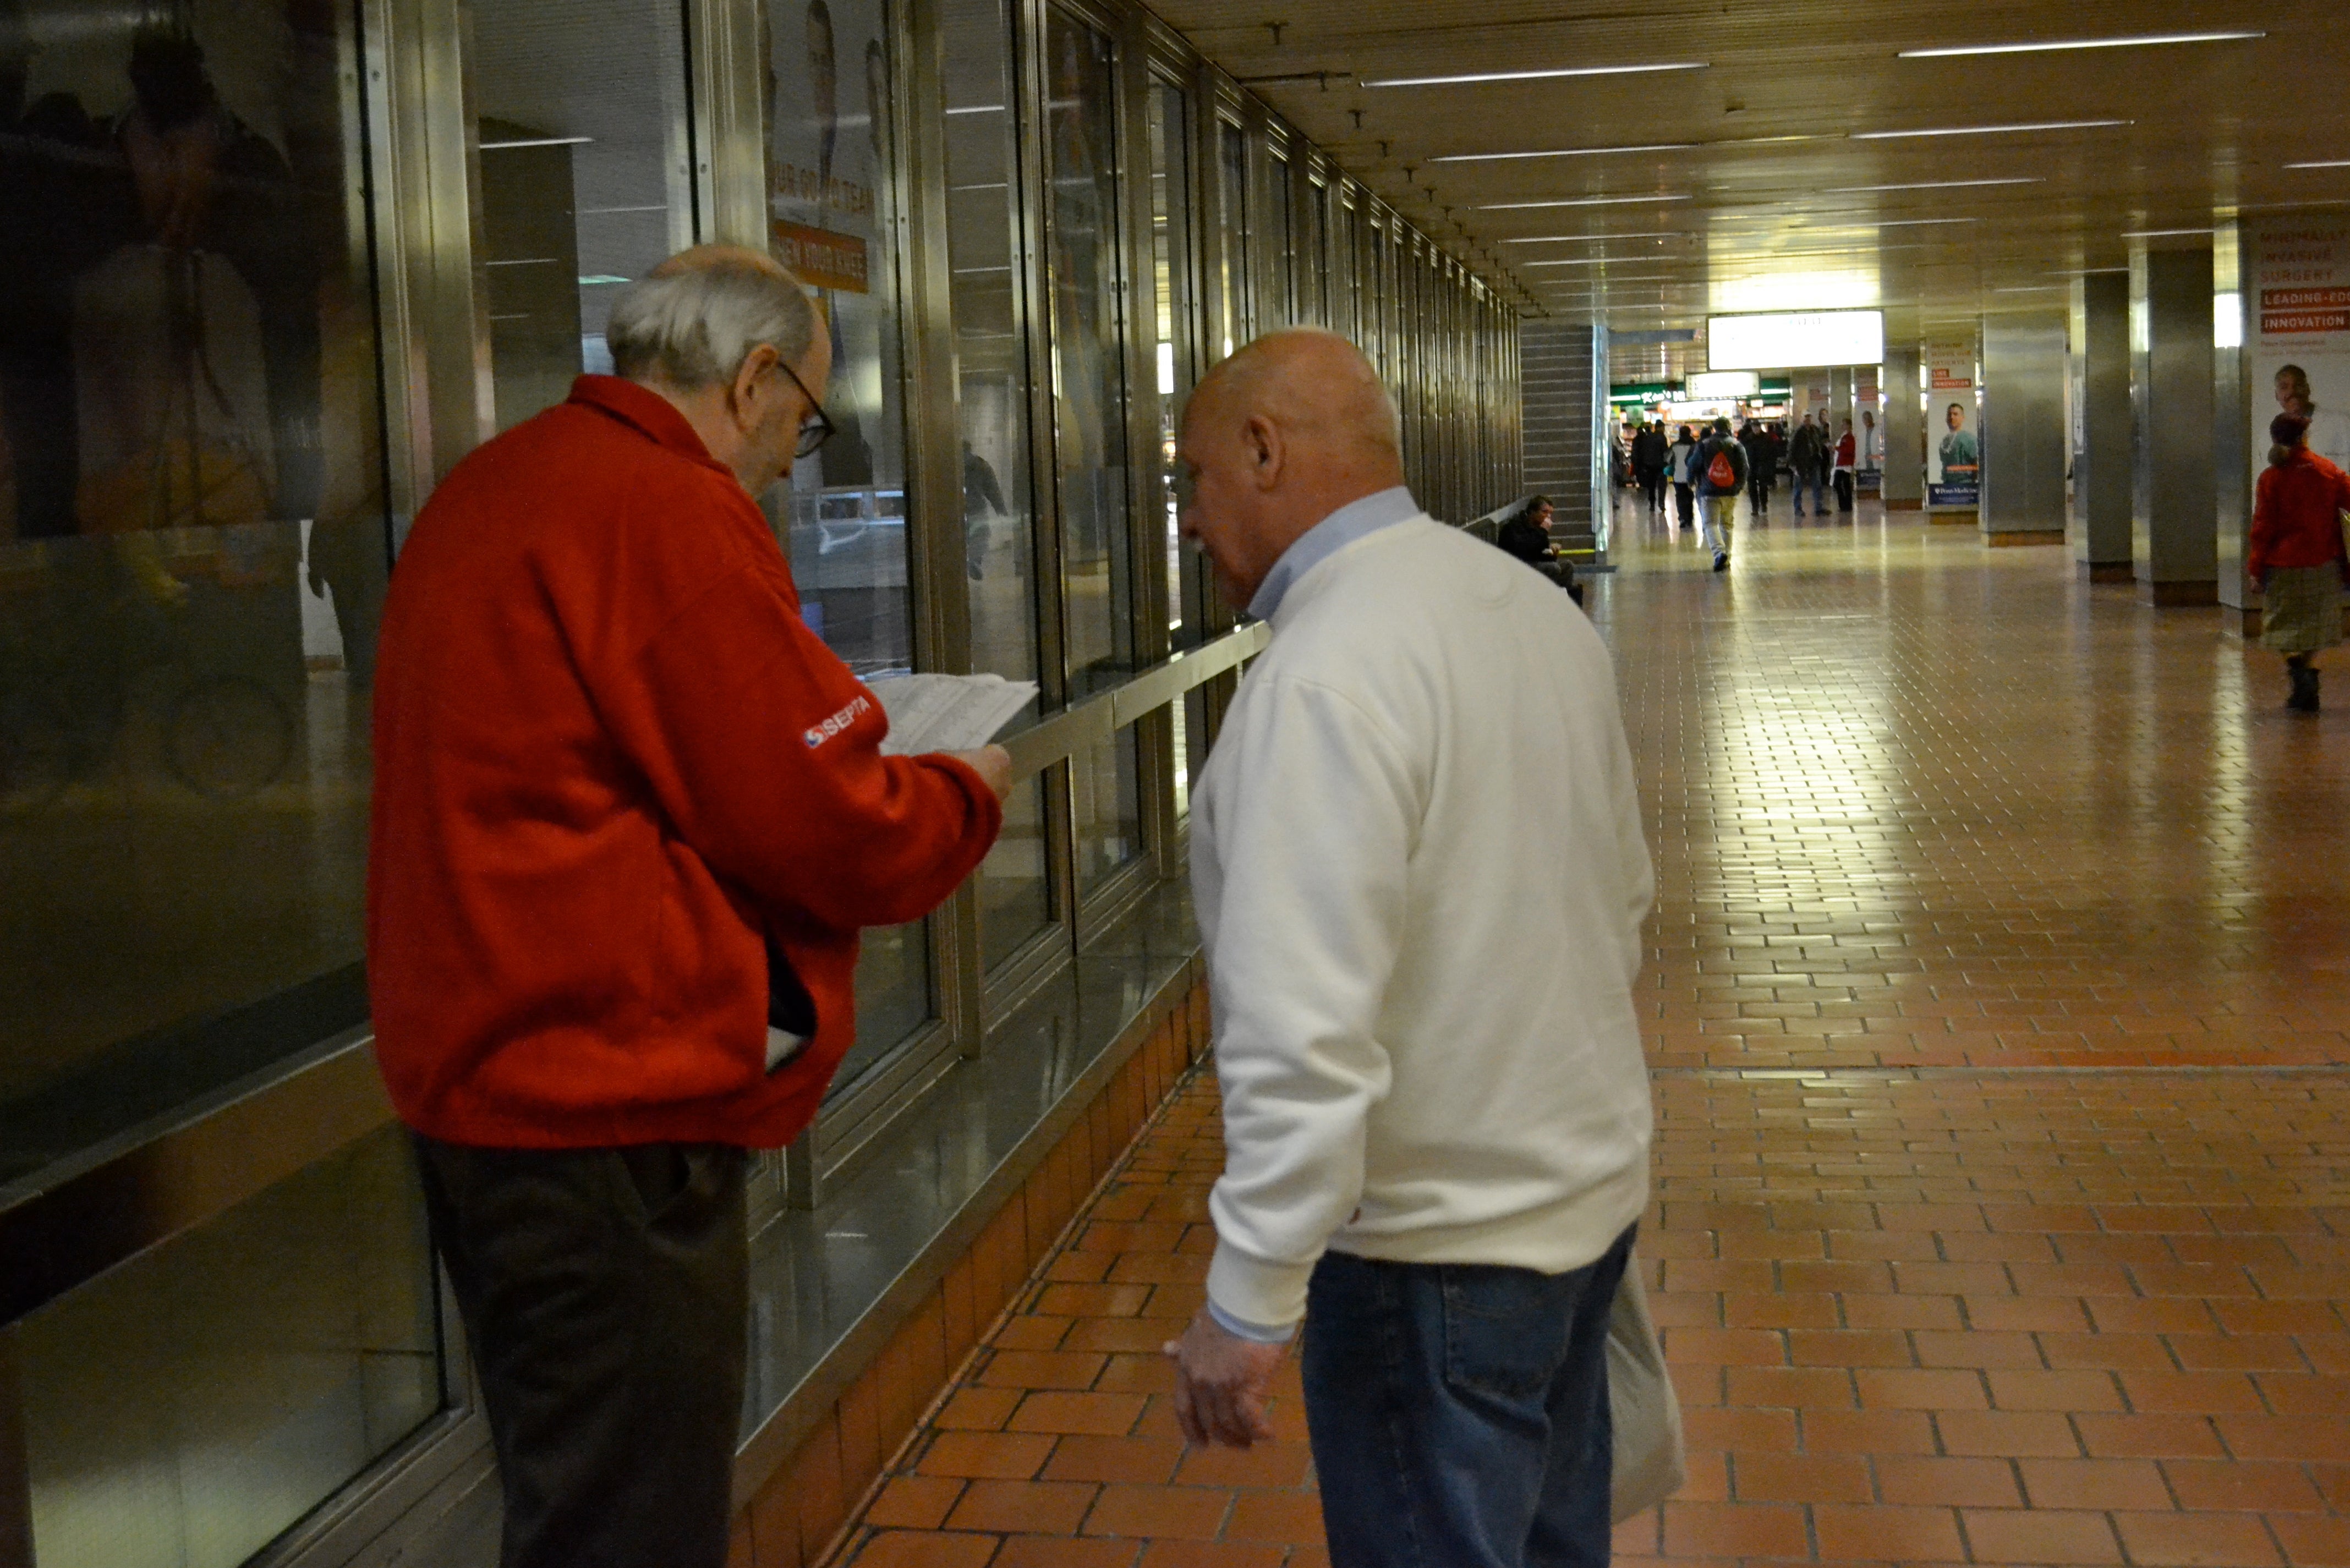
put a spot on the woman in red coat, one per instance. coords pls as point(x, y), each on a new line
point(2296, 554)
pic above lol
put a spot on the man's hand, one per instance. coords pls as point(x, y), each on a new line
point(991, 764)
point(1220, 1384)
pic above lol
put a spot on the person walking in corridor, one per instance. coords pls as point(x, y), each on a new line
point(1803, 452)
point(1761, 465)
point(1721, 465)
point(1650, 453)
point(629, 815)
point(1435, 1153)
point(1684, 447)
point(1846, 449)
point(2296, 554)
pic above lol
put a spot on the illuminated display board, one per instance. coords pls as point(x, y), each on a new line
point(1789, 339)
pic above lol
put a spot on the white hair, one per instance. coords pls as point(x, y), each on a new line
point(692, 323)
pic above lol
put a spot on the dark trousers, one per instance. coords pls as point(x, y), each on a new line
point(1758, 488)
point(1457, 1412)
point(1843, 482)
point(1652, 488)
point(606, 1294)
point(1685, 498)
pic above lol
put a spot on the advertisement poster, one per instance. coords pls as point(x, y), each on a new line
point(2300, 322)
point(1953, 434)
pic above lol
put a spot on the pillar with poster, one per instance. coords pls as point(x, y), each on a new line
point(2300, 327)
point(1953, 437)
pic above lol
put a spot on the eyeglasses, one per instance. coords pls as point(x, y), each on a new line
point(818, 428)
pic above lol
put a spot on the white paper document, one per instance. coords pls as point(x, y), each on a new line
point(947, 712)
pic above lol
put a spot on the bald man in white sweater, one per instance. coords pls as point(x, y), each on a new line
point(1421, 878)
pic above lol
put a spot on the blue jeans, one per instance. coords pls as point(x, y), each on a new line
point(1812, 483)
point(1459, 1412)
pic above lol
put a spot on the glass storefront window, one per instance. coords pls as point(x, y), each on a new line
point(842, 514)
point(184, 1409)
point(1014, 880)
point(585, 178)
point(1281, 232)
point(193, 548)
point(999, 516)
point(1089, 377)
point(1231, 221)
point(1105, 801)
point(1315, 266)
point(1170, 267)
point(984, 297)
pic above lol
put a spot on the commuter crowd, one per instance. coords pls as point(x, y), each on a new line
point(1706, 469)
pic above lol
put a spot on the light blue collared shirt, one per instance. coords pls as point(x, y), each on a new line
point(1327, 538)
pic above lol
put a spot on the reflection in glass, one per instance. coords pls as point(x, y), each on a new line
point(1171, 269)
point(1281, 214)
point(1106, 800)
point(186, 1408)
point(1232, 220)
point(586, 182)
point(1088, 366)
point(991, 372)
point(842, 514)
point(193, 554)
point(1375, 332)
point(1014, 885)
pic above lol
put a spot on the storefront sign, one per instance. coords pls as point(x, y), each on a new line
point(821, 258)
point(2299, 272)
point(1953, 437)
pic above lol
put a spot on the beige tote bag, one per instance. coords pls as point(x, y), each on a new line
point(1649, 1463)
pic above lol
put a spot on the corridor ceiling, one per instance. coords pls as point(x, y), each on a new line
point(1802, 155)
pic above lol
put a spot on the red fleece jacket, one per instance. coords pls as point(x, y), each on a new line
point(2297, 513)
point(611, 763)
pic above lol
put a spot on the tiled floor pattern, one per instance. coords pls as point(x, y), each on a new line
point(1999, 986)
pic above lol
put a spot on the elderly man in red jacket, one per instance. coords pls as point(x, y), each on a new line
point(630, 815)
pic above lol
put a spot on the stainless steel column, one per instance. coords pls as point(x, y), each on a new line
point(1905, 446)
point(2102, 483)
point(2023, 437)
point(2233, 320)
point(2174, 531)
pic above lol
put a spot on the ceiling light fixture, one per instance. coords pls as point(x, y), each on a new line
point(1579, 202)
point(1562, 152)
point(1592, 239)
point(1931, 185)
point(2135, 41)
point(2323, 163)
point(1594, 261)
point(2017, 130)
point(1536, 75)
point(2160, 234)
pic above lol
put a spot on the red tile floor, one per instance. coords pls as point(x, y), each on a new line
point(2000, 976)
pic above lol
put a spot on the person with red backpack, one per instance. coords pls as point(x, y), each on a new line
point(1720, 468)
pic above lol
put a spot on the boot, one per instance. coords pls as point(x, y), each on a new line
point(2305, 688)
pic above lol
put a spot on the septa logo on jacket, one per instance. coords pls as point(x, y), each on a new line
point(818, 734)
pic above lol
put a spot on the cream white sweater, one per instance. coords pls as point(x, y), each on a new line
point(1420, 874)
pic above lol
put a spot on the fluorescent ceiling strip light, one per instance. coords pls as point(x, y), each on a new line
point(1579, 202)
point(538, 141)
point(1931, 185)
point(2318, 163)
point(2136, 41)
point(2029, 288)
point(1562, 152)
point(2159, 233)
point(1536, 75)
point(1592, 239)
point(2016, 129)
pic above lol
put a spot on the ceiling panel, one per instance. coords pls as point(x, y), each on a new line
point(1769, 170)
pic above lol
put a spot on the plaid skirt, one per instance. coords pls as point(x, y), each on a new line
point(2301, 608)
